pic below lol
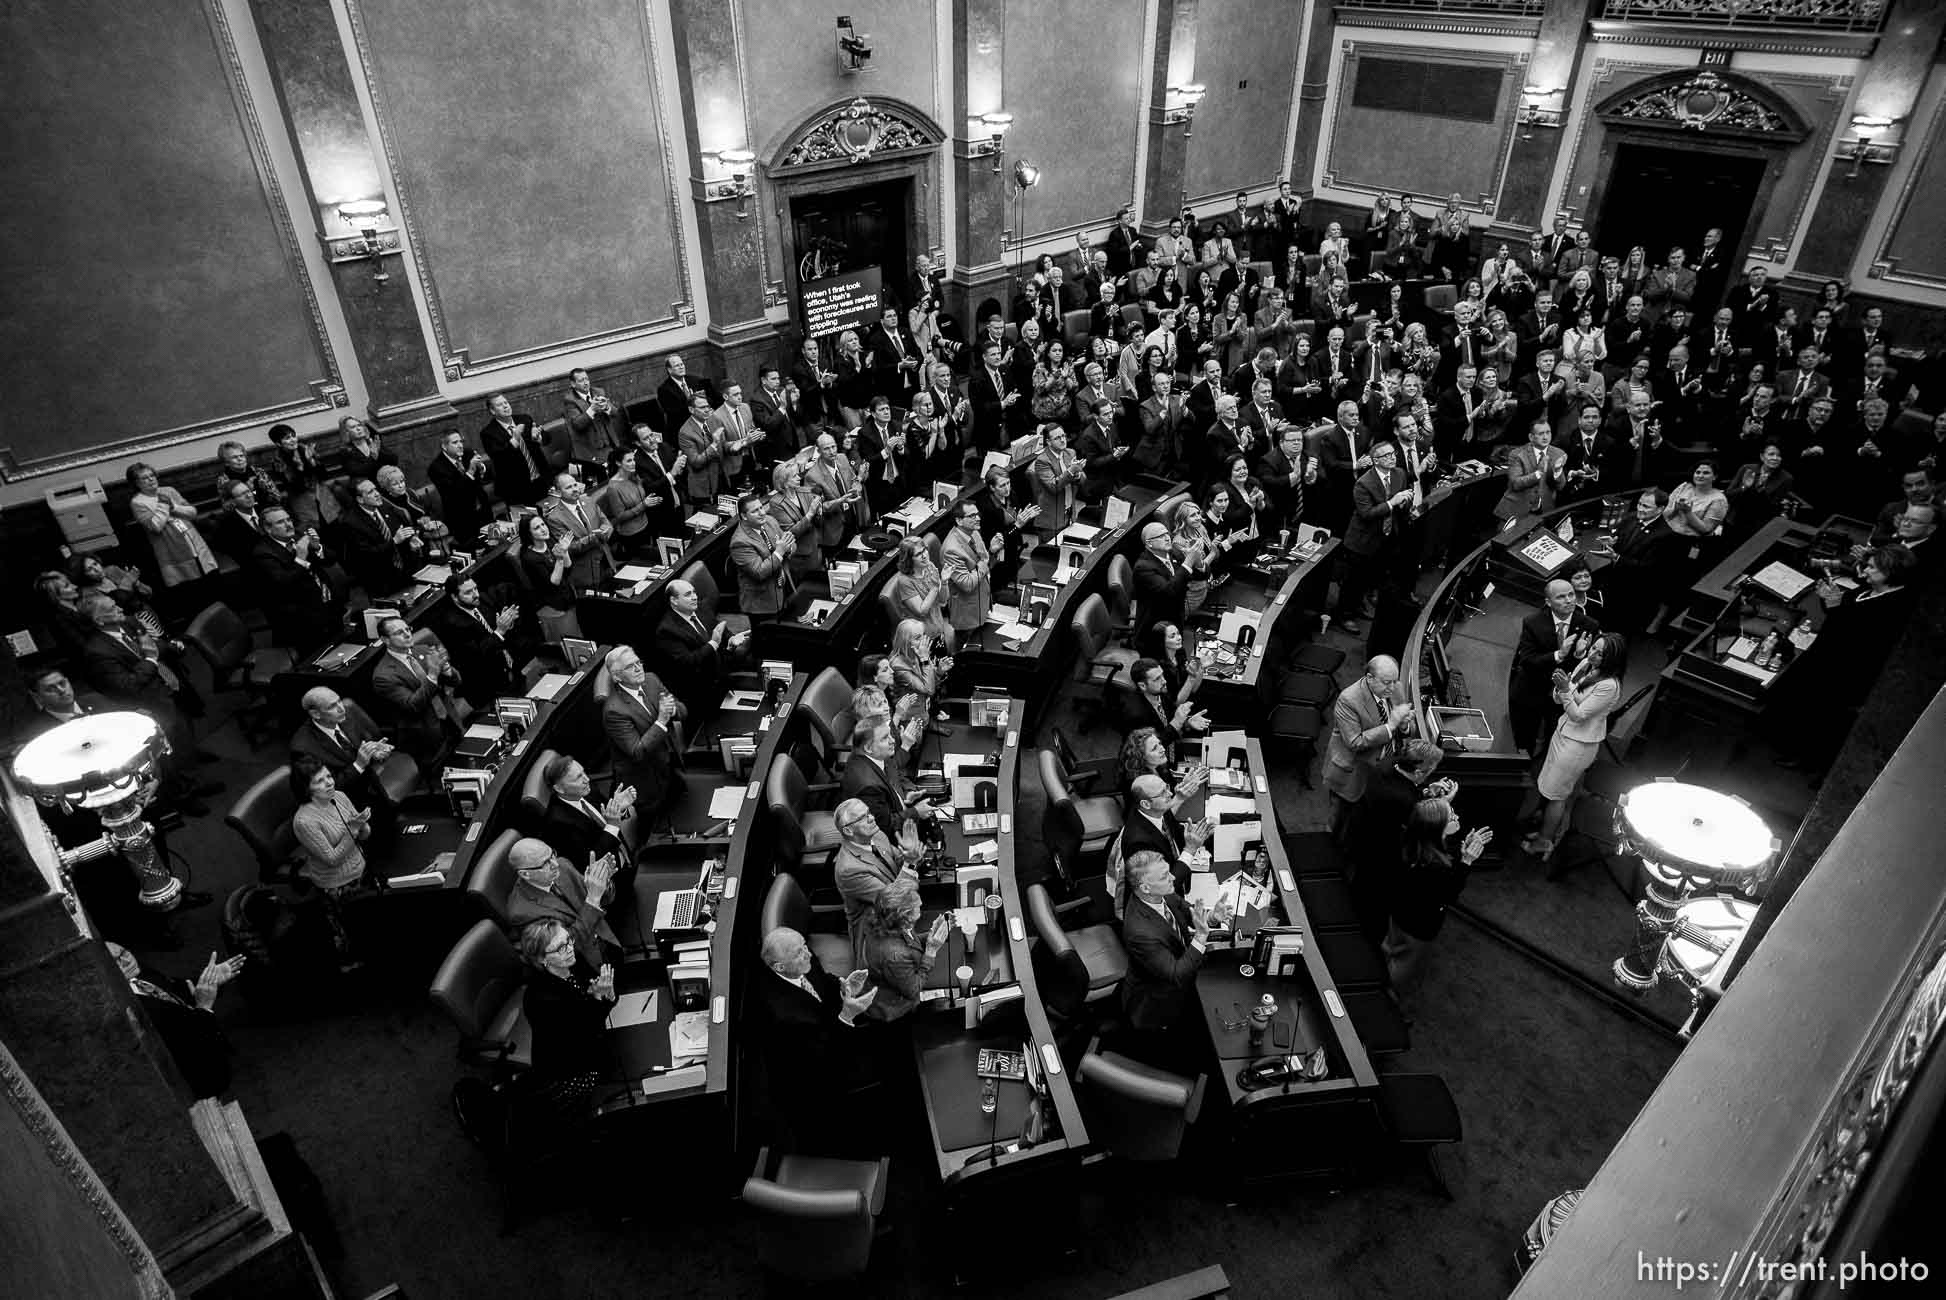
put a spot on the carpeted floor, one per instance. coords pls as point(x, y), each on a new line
point(1545, 1075)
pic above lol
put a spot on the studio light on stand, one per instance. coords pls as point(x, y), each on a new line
point(106, 762)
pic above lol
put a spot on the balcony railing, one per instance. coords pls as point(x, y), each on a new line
point(1497, 8)
point(1819, 15)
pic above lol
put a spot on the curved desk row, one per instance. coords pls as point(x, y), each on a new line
point(1280, 594)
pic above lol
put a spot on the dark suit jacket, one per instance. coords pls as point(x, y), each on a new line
point(338, 760)
point(1139, 834)
point(304, 612)
point(688, 660)
point(1159, 988)
point(510, 473)
point(1529, 680)
point(644, 753)
point(597, 432)
point(194, 1038)
point(1136, 711)
point(368, 553)
point(414, 704)
point(881, 789)
point(480, 657)
point(805, 1038)
point(1161, 591)
point(569, 904)
point(234, 536)
point(1370, 499)
point(125, 677)
point(577, 838)
point(462, 499)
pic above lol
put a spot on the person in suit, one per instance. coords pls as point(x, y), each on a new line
point(184, 1018)
point(809, 1035)
point(594, 423)
point(517, 450)
point(775, 409)
point(660, 466)
point(1286, 470)
point(566, 1004)
point(870, 860)
point(1101, 451)
point(1367, 720)
point(743, 439)
point(809, 385)
point(643, 723)
point(887, 460)
point(1344, 451)
point(966, 563)
point(304, 608)
point(872, 774)
point(339, 734)
point(1150, 825)
point(896, 374)
point(1057, 476)
point(992, 395)
point(799, 511)
point(570, 514)
point(674, 395)
point(1587, 451)
point(369, 542)
point(478, 636)
point(238, 527)
point(580, 829)
point(460, 477)
point(1646, 548)
point(704, 449)
point(125, 664)
point(1550, 638)
point(1637, 454)
point(1382, 504)
point(1536, 474)
point(415, 684)
point(1151, 704)
point(760, 552)
point(692, 655)
point(844, 510)
point(549, 888)
point(1165, 939)
point(1378, 819)
point(1161, 583)
point(1122, 241)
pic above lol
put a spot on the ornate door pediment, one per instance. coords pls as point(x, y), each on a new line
point(1706, 101)
point(861, 130)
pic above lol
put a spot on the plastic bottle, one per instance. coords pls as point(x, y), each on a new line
point(1567, 528)
point(1766, 655)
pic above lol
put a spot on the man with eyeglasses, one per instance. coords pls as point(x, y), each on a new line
point(967, 565)
point(643, 723)
point(549, 888)
point(869, 862)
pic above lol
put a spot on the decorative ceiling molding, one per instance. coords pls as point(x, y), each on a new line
point(1709, 102)
point(1419, 20)
point(859, 130)
point(1840, 45)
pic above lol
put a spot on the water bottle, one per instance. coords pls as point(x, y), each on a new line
point(1260, 1018)
point(1766, 656)
point(1567, 529)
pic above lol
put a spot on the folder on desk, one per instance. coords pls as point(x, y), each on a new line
point(725, 802)
point(1115, 512)
point(687, 1076)
point(433, 575)
point(634, 573)
point(337, 657)
point(633, 1009)
point(689, 1038)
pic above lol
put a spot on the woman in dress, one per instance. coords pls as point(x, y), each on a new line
point(1757, 490)
point(1393, 316)
point(1832, 297)
point(1429, 878)
point(1230, 332)
point(182, 557)
point(329, 829)
point(918, 589)
point(1053, 400)
point(1244, 517)
point(544, 559)
point(1635, 273)
point(1698, 509)
point(1587, 695)
point(1203, 293)
point(566, 1006)
point(896, 957)
point(1417, 353)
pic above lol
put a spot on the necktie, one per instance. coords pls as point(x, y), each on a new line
point(526, 452)
point(338, 739)
point(697, 623)
point(1560, 631)
point(480, 618)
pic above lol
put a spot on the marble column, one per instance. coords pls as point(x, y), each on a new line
point(339, 163)
point(980, 195)
point(1889, 87)
point(1557, 60)
point(729, 230)
point(1169, 144)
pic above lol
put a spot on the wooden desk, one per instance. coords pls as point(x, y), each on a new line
point(616, 614)
point(1242, 695)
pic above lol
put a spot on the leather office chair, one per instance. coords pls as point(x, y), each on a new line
point(227, 644)
point(785, 904)
point(1132, 314)
point(1136, 1111)
point(1118, 583)
point(1074, 329)
point(481, 986)
point(1353, 962)
point(399, 776)
point(819, 1215)
point(1418, 1111)
point(1097, 665)
point(1309, 690)
point(804, 838)
point(709, 599)
point(1441, 297)
point(261, 817)
point(826, 697)
point(1101, 815)
point(1302, 726)
point(1315, 657)
point(1315, 853)
point(1327, 902)
point(1373, 1014)
point(1264, 271)
point(1098, 946)
point(492, 878)
point(534, 792)
point(604, 684)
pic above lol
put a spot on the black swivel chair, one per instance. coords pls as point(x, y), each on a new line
point(227, 645)
point(805, 840)
point(492, 879)
point(1100, 815)
point(1098, 946)
point(1418, 1112)
point(1097, 665)
point(709, 599)
point(827, 699)
point(1301, 726)
point(1136, 1111)
point(261, 817)
point(785, 904)
point(481, 986)
point(819, 1215)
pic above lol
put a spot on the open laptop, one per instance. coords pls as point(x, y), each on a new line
point(682, 909)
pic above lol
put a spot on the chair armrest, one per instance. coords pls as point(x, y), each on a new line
point(1073, 904)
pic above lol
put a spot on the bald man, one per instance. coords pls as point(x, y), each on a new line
point(1549, 638)
point(1367, 720)
point(549, 888)
point(693, 655)
point(1161, 583)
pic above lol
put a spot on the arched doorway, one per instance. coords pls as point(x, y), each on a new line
point(856, 184)
point(1685, 151)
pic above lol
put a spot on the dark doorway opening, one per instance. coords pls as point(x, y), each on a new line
point(846, 229)
point(1658, 196)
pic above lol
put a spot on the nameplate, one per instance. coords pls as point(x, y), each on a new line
point(1050, 1059)
point(1016, 929)
point(1336, 1005)
point(730, 888)
point(520, 748)
point(1262, 783)
point(1284, 880)
point(473, 831)
point(718, 1008)
point(577, 676)
point(1013, 738)
point(1006, 823)
point(750, 791)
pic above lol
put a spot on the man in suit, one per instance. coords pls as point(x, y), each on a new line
point(704, 449)
point(1542, 393)
point(239, 528)
point(966, 563)
point(1161, 584)
point(125, 664)
point(1147, 704)
point(660, 467)
point(570, 514)
point(369, 543)
point(1799, 387)
point(992, 396)
point(1536, 474)
point(415, 686)
point(1377, 821)
point(460, 478)
point(1344, 452)
point(692, 655)
point(1636, 452)
point(743, 440)
point(774, 408)
point(578, 828)
point(1586, 450)
point(869, 859)
point(886, 457)
point(809, 1036)
point(1381, 508)
point(478, 638)
point(304, 607)
point(1754, 304)
point(1285, 471)
point(674, 395)
point(1871, 335)
point(643, 723)
point(1334, 368)
point(844, 510)
point(549, 888)
point(1367, 720)
point(1165, 426)
point(1056, 478)
point(342, 736)
point(1122, 241)
point(1582, 256)
point(809, 385)
point(1552, 246)
point(760, 552)
point(1550, 638)
point(517, 450)
point(1165, 939)
point(1636, 581)
point(595, 424)
point(183, 1017)
point(1151, 826)
point(1101, 451)
point(898, 362)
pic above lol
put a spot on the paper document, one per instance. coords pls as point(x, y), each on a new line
point(434, 575)
point(1015, 632)
point(688, 1037)
point(632, 1009)
point(1230, 628)
point(1781, 580)
point(725, 801)
point(746, 701)
point(485, 731)
point(1748, 669)
point(687, 1076)
point(1002, 614)
point(1742, 648)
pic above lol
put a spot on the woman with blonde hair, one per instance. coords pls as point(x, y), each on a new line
point(915, 669)
point(918, 590)
point(897, 958)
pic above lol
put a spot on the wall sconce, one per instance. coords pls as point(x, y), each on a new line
point(1180, 105)
point(992, 145)
point(374, 237)
point(1865, 144)
point(1534, 112)
point(854, 50)
point(738, 187)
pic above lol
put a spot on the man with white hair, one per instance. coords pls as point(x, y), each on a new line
point(1166, 939)
point(1161, 583)
point(643, 723)
point(1366, 722)
point(549, 888)
point(808, 1040)
point(868, 863)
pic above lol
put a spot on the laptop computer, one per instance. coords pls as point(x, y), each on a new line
point(682, 909)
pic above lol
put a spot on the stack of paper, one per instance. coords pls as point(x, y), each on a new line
point(633, 1009)
point(689, 1038)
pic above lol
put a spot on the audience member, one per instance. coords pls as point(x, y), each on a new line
point(578, 828)
point(460, 476)
point(1166, 940)
point(1586, 694)
point(329, 829)
point(517, 451)
point(570, 514)
point(643, 723)
point(761, 552)
point(182, 557)
point(869, 862)
point(544, 559)
point(414, 685)
point(1366, 722)
point(566, 1003)
point(966, 563)
point(184, 1017)
point(339, 734)
point(1427, 882)
point(897, 957)
point(479, 638)
point(547, 887)
point(1551, 638)
point(694, 657)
